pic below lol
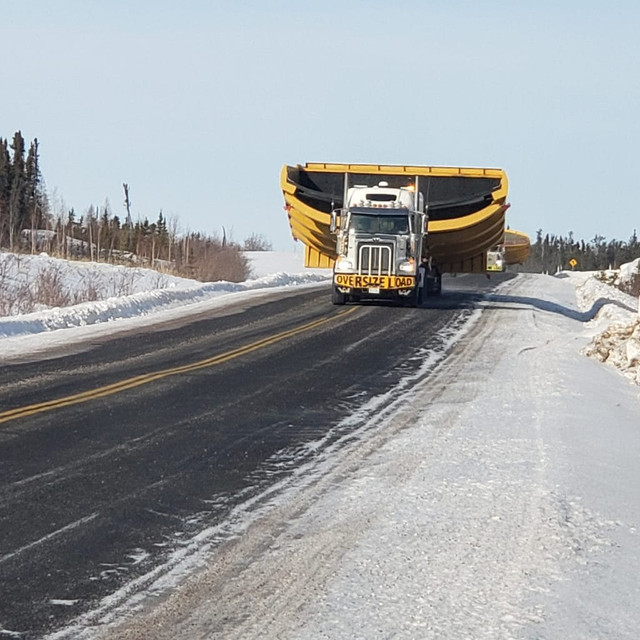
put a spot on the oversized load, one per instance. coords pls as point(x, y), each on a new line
point(514, 249)
point(516, 246)
point(454, 216)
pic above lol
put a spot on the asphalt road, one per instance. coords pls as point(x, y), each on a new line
point(113, 455)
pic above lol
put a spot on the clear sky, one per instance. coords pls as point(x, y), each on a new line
point(197, 104)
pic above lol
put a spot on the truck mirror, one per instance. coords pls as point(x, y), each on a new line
point(334, 221)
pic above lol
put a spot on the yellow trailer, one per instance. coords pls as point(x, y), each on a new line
point(516, 246)
point(464, 208)
point(514, 249)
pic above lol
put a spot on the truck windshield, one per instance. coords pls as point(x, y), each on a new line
point(380, 224)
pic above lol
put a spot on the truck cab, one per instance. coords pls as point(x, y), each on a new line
point(380, 245)
point(496, 259)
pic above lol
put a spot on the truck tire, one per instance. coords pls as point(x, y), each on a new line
point(434, 285)
point(437, 289)
point(337, 297)
point(414, 299)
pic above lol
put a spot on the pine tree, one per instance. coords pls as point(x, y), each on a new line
point(163, 236)
point(550, 252)
point(17, 195)
point(5, 191)
point(35, 199)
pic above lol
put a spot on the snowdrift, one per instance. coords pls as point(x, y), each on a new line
point(616, 327)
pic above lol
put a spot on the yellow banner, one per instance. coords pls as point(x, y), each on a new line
point(373, 282)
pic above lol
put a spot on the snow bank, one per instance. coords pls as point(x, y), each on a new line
point(140, 304)
point(19, 270)
point(629, 276)
point(147, 291)
point(615, 329)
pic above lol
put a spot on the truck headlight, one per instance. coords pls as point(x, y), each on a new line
point(344, 264)
point(408, 267)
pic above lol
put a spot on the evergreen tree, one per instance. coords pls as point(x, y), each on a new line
point(5, 191)
point(551, 252)
point(23, 201)
point(17, 194)
point(36, 211)
point(162, 237)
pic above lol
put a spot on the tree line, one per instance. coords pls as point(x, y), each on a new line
point(23, 203)
point(28, 223)
point(551, 253)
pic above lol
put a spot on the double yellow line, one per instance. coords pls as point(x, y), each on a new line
point(137, 381)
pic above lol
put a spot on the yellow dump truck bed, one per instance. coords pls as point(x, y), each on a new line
point(466, 207)
point(516, 246)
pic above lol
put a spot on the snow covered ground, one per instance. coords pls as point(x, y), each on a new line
point(498, 498)
point(138, 295)
point(132, 297)
point(615, 330)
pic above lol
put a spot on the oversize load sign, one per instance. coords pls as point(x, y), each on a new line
point(379, 282)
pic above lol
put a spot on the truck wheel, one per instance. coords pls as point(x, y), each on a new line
point(413, 299)
point(434, 285)
point(337, 297)
point(437, 289)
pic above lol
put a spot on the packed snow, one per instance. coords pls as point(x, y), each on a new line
point(498, 497)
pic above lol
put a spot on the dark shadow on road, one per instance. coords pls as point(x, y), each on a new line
point(509, 302)
point(553, 307)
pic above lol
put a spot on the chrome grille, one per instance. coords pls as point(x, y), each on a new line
point(375, 259)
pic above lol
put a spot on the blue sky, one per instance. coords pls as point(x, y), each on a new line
point(197, 104)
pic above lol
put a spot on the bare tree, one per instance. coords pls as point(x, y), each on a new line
point(127, 202)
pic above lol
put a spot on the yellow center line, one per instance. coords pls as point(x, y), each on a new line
point(137, 381)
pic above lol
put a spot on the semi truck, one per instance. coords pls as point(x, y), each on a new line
point(381, 248)
point(496, 259)
point(514, 249)
point(390, 231)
